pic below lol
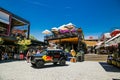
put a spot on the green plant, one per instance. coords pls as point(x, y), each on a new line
point(1, 41)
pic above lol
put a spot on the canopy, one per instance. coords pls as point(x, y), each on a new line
point(46, 32)
point(115, 32)
point(54, 29)
point(114, 40)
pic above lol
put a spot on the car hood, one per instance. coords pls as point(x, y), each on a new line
point(38, 55)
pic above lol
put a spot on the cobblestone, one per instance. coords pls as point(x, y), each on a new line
point(87, 70)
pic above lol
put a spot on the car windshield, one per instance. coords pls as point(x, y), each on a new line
point(44, 52)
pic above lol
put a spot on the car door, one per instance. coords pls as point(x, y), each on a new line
point(56, 56)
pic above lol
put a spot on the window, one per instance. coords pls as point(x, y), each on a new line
point(3, 29)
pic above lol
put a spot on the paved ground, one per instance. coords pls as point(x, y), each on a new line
point(96, 57)
point(87, 70)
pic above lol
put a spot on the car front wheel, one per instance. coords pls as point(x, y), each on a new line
point(40, 64)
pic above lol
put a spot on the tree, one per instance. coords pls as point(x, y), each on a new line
point(32, 37)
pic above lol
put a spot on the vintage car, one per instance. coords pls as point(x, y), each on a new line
point(49, 56)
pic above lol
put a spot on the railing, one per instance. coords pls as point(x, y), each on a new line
point(65, 35)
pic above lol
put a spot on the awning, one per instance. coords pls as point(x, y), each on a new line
point(114, 40)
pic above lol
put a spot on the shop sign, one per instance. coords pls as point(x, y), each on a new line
point(4, 18)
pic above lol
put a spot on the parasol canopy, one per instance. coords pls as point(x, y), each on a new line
point(73, 30)
point(70, 26)
point(63, 29)
point(107, 35)
point(46, 32)
point(63, 26)
point(54, 29)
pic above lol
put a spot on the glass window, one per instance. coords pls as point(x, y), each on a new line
point(3, 29)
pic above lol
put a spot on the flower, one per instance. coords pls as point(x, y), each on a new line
point(24, 42)
point(1, 41)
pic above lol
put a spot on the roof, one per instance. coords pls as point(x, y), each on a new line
point(90, 43)
point(36, 42)
point(16, 19)
point(113, 38)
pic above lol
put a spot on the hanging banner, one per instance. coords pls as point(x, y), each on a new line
point(4, 18)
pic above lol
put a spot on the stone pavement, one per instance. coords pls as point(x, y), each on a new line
point(87, 70)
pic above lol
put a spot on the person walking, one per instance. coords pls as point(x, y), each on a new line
point(28, 56)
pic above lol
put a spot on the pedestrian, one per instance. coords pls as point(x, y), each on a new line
point(28, 56)
point(5, 56)
point(38, 51)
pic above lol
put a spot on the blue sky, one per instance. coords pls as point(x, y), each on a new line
point(93, 16)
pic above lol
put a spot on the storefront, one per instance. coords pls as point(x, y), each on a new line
point(12, 27)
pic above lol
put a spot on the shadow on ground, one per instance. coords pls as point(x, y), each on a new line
point(7, 61)
point(109, 68)
point(49, 66)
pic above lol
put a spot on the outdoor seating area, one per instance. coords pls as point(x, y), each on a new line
point(63, 31)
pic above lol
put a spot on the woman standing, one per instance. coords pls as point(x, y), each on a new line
point(28, 56)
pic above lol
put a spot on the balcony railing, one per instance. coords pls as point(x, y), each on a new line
point(65, 35)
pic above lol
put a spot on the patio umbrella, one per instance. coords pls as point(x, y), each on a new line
point(46, 32)
point(64, 31)
point(54, 29)
point(107, 35)
point(62, 26)
point(70, 26)
point(73, 30)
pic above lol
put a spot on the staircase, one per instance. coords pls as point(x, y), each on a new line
point(95, 57)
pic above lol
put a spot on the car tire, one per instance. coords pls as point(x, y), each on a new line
point(62, 62)
point(55, 63)
point(33, 64)
point(40, 64)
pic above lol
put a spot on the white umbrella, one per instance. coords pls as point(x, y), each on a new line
point(63, 26)
point(70, 25)
point(54, 29)
point(107, 35)
point(46, 32)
